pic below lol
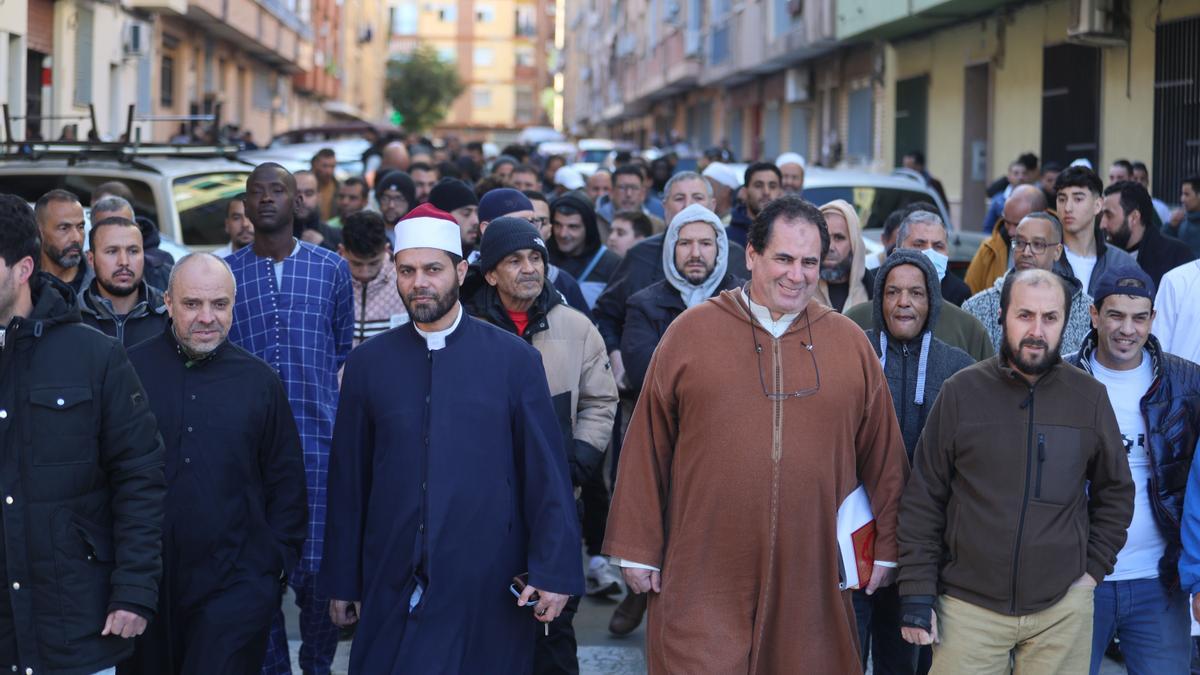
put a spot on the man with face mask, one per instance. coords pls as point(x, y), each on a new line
point(425, 476)
point(295, 311)
point(1037, 244)
point(924, 231)
point(231, 557)
point(843, 270)
point(1019, 500)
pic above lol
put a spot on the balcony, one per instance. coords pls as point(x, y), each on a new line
point(264, 28)
point(861, 20)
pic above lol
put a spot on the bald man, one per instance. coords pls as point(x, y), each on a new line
point(225, 562)
point(991, 261)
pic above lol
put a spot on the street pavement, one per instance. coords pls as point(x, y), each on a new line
point(599, 652)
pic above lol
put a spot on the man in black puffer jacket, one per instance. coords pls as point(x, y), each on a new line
point(908, 301)
point(81, 476)
point(1156, 397)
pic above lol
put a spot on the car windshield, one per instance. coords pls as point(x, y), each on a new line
point(873, 204)
point(31, 186)
point(594, 156)
point(201, 200)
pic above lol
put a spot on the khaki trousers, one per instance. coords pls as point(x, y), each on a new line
point(1054, 641)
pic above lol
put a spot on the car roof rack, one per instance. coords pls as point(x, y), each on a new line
point(125, 151)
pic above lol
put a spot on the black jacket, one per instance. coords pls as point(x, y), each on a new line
point(1171, 409)
point(157, 268)
point(1158, 254)
point(145, 321)
point(236, 495)
point(82, 478)
point(642, 266)
point(738, 229)
point(647, 316)
point(576, 265)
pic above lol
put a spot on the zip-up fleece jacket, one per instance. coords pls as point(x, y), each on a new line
point(1016, 490)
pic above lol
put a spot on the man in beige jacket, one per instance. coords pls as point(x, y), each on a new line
point(513, 259)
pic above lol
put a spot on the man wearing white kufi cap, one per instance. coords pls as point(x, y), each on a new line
point(792, 166)
point(440, 494)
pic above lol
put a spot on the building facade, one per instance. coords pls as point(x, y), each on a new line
point(970, 83)
point(503, 50)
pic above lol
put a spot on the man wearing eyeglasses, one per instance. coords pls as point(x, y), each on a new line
point(991, 261)
point(761, 411)
point(1037, 244)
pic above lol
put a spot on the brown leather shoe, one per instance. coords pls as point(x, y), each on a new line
point(628, 615)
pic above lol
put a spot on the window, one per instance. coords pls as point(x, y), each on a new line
point(448, 13)
point(860, 138)
point(526, 105)
point(447, 54)
point(1176, 106)
point(83, 56)
point(526, 21)
point(482, 98)
point(263, 90)
point(524, 56)
point(484, 56)
point(404, 19)
point(166, 82)
point(201, 200)
point(485, 13)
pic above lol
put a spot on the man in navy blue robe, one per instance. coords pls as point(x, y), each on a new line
point(447, 478)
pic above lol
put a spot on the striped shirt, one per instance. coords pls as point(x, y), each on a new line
point(302, 325)
point(377, 305)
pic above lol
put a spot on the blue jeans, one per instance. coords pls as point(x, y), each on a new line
point(1154, 626)
point(878, 619)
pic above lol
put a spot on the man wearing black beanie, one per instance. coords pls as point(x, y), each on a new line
point(582, 388)
point(458, 199)
point(396, 193)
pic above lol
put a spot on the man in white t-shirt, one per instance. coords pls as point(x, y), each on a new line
point(1156, 398)
point(1079, 201)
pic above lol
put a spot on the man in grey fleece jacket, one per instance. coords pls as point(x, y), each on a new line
point(907, 303)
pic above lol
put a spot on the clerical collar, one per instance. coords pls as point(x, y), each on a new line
point(436, 340)
point(763, 315)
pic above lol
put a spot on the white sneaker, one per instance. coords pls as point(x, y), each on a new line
point(602, 581)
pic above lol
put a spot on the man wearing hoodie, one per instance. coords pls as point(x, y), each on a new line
point(844, 268)
point(907, 303)
point(576, 246)
point(582, 389)
point(695, 261)
point(118, 302)
point(365, 248)
point(1037, 244)
point(1019, 501)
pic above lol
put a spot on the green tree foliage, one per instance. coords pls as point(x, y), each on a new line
point(421, 88)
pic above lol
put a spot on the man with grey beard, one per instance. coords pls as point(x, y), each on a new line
point(60, 222)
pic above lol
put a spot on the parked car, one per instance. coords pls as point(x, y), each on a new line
point(185, 196)
point(298, 156)
point(876, 195)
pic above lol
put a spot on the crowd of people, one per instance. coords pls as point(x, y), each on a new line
point(442, 402)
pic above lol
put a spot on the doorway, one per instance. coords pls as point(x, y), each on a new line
point(977, 144)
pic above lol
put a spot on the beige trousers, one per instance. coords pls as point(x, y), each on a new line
point(1054, 641)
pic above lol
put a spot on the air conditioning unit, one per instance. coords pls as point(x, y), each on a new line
point(797, 84)
point(1099, 23)
point(136, 38)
